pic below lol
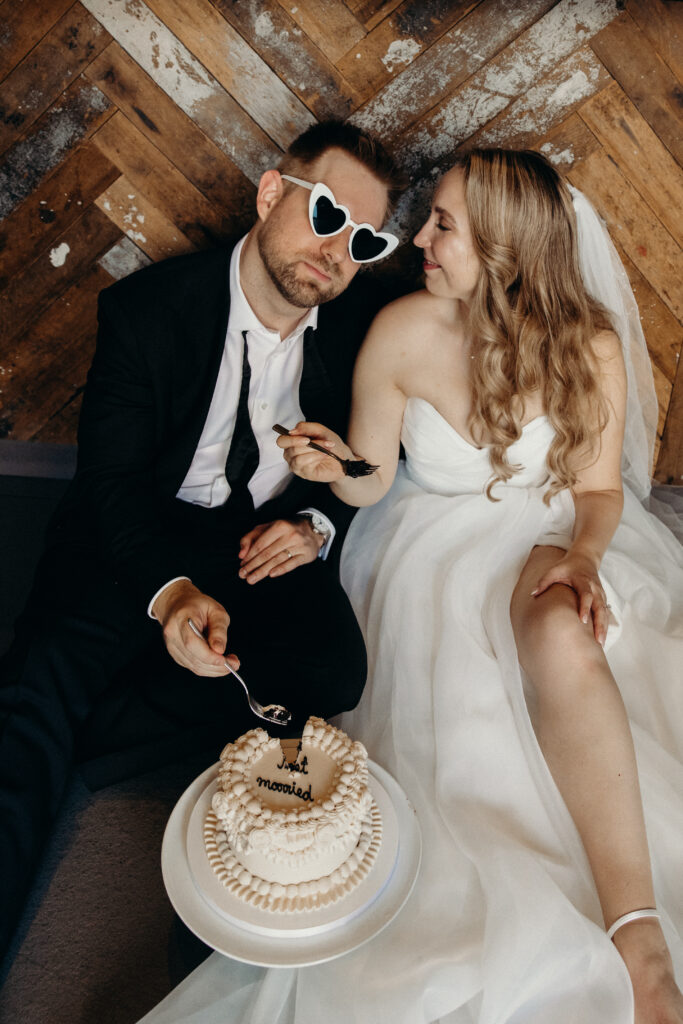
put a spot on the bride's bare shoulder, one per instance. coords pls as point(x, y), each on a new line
point(402, 318)
point(415, 304)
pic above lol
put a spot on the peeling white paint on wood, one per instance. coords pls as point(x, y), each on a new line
point(30, 159)
point(311, 75)
point(558, 156)
point(401, 51)
point(132, 215)
point(462, 51)
point(154, 48)
point(533, 54)
point(237, 67)
point(181, 76)
point(545, 104)
point(264, 27)
point(59, 254)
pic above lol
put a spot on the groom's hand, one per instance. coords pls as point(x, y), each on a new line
point(272, 549)
point(204, 655)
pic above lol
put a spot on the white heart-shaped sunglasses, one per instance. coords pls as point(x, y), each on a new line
point(328, 217)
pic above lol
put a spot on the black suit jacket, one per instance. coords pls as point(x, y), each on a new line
point(160, 340)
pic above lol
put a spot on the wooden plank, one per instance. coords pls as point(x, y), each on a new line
point(637, 151)
point(447, 64)
point(123, 259)
point(370, 12)
point(662, 23)
point(23, 25)
point(142, 222)
point(52, 207)
point(47, 70)
point(155, 177)
point(663, 333)
point(62, 428)
point(305, 69)
point(44, 280)
point(663, 392)
point(233, 63)
point(546, 104)
point(568, 143)
point(50, 361)
point(328, 23)
point(534, 54)
point(174, 133)
point(395, 43)
point(76, 115)
point(633, 225)
point(645, 78)
point(182, 77)
point(62, 325)
point(670, 461)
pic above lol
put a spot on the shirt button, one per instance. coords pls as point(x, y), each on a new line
point(264, 405)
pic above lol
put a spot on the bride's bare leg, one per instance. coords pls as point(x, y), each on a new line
point(583, 731)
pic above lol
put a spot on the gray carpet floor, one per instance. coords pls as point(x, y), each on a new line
point(99, 942)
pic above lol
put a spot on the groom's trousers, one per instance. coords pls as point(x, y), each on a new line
point(88, 677)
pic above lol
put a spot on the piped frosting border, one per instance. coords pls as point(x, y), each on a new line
point(295, 897)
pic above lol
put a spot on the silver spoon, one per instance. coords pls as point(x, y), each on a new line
point(273, 713)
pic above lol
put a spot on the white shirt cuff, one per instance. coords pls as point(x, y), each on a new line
point(161, 590)
point(325, 549)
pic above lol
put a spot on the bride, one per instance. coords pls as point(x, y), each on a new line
point(507, 386)
point(523, 616)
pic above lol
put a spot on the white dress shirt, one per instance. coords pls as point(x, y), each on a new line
point(276, 366)
point(273, 398)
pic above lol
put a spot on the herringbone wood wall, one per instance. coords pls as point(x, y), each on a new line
point(131, 131)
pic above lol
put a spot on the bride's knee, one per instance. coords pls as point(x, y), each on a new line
point(549, 636)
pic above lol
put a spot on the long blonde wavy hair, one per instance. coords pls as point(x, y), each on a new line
point(531, 319)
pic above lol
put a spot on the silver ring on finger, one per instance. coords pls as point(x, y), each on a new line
point(288, 553)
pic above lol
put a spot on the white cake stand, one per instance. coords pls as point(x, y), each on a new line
point(254, 936)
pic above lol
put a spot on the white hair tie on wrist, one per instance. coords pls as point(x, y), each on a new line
point(634, 915)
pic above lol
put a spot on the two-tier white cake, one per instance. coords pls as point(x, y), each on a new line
point(293, 835)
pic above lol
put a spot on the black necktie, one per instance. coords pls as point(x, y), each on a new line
point(243, 457)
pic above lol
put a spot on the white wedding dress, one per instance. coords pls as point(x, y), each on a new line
point(504, 925)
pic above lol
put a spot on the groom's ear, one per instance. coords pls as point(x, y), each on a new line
point(270, 191)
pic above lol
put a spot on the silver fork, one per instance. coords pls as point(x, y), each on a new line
point(274, 713)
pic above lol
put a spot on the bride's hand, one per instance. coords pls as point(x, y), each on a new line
point(309, 464)
point(580, 573)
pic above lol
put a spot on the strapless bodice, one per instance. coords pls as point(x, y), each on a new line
point(439, 459)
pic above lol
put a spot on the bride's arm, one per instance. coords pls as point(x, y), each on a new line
point(598, 496)
point(376, 416)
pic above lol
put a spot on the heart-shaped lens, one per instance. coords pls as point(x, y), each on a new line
point(366, 245)
point(328, 219)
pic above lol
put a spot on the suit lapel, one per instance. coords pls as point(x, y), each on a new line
point(198, 366)
point(315, 389)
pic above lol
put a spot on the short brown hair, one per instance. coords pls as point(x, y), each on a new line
point(370, 152)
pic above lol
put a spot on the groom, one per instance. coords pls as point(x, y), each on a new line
point(182, 507)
